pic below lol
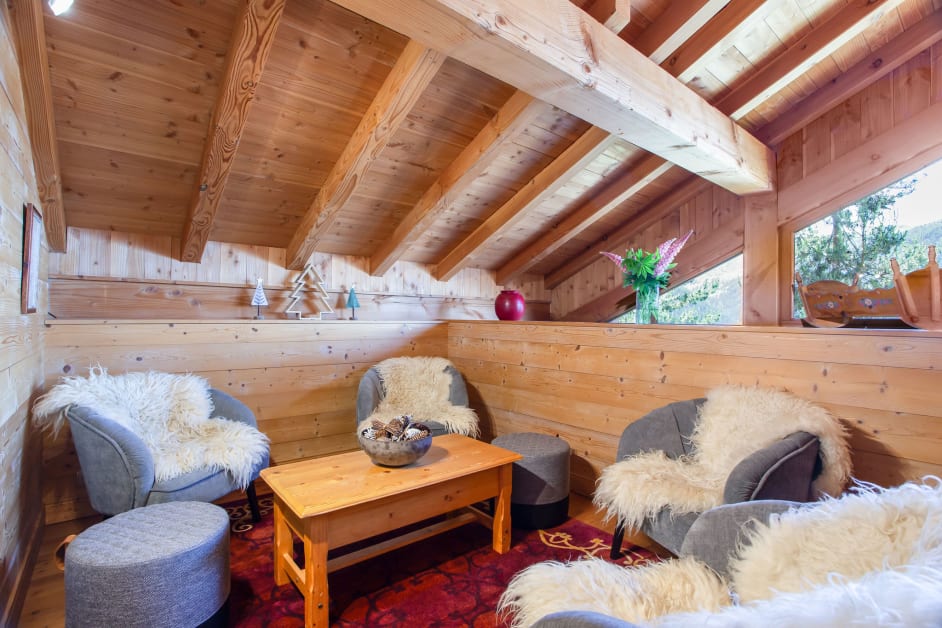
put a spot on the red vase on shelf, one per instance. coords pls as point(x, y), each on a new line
point(509, 305)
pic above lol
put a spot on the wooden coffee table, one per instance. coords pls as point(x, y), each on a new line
point(333, 501)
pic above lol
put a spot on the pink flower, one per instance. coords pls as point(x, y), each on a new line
point(618, 259)
point(669, 251)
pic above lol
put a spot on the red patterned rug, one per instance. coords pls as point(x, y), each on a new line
point(453, 579)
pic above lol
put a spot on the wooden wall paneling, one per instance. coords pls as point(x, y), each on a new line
point(299, 378)
point(21, 336)
point(107, 274)
point(586, 382)
point(911, 87)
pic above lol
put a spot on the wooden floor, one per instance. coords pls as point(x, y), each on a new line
point(45, 601)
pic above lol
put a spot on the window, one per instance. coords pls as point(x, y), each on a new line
point(711, 298)
point(899, 221)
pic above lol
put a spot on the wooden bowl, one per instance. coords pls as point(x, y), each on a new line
point(391, 453)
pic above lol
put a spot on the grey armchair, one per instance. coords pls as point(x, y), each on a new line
point(118, 469)
point(785, 470)
point(371, 391)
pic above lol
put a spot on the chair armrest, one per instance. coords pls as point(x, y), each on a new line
point(717, 533)
point(369, 394)
point(581, 619)
point(663, 429)
point(783, 470)
point(228, 407)
point(117, 467)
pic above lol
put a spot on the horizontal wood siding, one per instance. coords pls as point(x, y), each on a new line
point(112, 275)
point(585, 383)
point(299, 378)
point(21, 342)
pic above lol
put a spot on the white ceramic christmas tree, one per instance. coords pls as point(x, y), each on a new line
point(258, 299)
point(308, 274)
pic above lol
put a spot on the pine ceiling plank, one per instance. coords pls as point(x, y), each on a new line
point(542, 186)
point(412, 73)
point(34, 73)
point(251, 44)
point(614, 194)
point(555, 52)
point(519, 111)
point(614, 15)
point(873, 67)
point(675, 26)
point(736, 18)
point(806, 52)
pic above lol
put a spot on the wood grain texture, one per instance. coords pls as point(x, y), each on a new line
point(34, 73)
point(675, 26)
point(406, 81)
point(21, 336)
point(760, 272)
point(252, 41)
point(586, 383)
point(579, 66)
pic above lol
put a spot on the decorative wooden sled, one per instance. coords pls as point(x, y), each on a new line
point(831, 303)
point(920, 294)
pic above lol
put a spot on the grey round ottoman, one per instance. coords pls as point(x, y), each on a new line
point(540, 495)
point(165, 565)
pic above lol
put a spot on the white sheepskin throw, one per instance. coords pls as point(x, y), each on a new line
point(734, 422)
point(421, 387)
point(634, 594)
point(170, 413)
point(871, 558)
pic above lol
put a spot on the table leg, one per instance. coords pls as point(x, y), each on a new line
point(316, 600)
point(282, 543)
point(501, 531)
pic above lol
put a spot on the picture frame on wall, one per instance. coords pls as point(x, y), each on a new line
point(32, 241)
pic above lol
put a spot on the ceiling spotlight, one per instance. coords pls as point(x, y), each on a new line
point(59, 6)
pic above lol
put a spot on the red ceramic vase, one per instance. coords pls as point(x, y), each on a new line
point(509, 305)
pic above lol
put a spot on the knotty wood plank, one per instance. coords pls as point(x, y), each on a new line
point(804, 54)
point(760, 260)
point(546, 183)
point(516, 114)
point(555, 52)
point(412, 73)
point(37, 91)
point(251, 44)
point(873, 67)
point(675, 26)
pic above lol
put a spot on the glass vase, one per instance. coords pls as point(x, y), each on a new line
point(646, 304)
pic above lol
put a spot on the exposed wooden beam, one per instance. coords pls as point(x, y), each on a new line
point(612, 195)
point(820, 42)
point(737, 17)
point(414, 70)
point(555, 52)
point(680, 194)
point(34, 73)
point(614, 15)
point(873, 67)
point(674, 26)
point(760, 261)
point(517, 113)
point(252, 40)
point(546, 183)
point(684, 19)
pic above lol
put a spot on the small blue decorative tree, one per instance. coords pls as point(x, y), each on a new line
point(352, 302)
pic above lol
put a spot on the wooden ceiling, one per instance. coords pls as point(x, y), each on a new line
point(377, 128)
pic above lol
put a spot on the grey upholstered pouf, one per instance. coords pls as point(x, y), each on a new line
point(165, 565)
point(540, 496)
